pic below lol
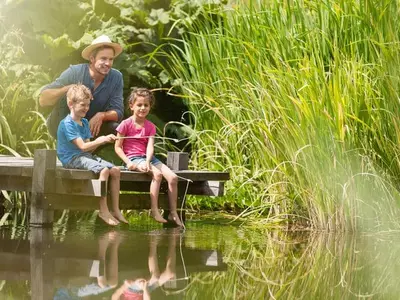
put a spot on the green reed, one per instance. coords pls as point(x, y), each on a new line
point(298, 100)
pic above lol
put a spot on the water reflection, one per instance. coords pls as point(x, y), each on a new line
point(109, 265)
point(204, 262)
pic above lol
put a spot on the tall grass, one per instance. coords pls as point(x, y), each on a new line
point(299, 101)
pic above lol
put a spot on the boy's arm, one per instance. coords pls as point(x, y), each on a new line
point(88, 146)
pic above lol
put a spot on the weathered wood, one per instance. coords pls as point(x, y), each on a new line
point(178, 160)
point(206, 188)
point(54, 187)
point(91, 187)
point(42, 268)
point(11, 169)
point(15, 183)
point(42, 182)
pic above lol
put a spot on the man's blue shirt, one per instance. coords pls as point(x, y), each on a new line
point(69, 130)
point(107, 96)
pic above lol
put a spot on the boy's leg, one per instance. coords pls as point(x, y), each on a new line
point(115, 176)
point(104, 213)
point(92, 163)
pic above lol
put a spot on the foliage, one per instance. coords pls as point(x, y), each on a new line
point(21, 126)
point(298, 100)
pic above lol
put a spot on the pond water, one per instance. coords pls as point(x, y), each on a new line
point(211, 259)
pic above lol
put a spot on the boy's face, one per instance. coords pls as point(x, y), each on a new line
point(80, 108)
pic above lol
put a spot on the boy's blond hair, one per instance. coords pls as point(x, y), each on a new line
point(78, 92)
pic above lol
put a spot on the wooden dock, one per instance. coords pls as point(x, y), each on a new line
point(53, 187)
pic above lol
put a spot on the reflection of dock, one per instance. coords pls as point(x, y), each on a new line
point(49, 265)
point(53, 187)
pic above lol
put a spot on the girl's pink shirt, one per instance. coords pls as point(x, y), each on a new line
point(136, 146)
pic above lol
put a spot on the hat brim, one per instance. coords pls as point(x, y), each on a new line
point(89, 49)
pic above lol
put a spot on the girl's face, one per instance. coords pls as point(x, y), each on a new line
point(141, 107)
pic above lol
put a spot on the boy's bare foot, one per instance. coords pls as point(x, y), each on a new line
point(173, 217)
point(157, 216)
point(120, 217)
point(108, 218)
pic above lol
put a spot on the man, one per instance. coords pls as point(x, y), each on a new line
point(106, 108)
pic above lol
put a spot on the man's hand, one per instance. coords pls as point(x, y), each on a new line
point(95, 123)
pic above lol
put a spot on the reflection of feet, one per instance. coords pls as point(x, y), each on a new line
point(120, 217)
point(108, 218)
point(174, 218)
point(157, 216)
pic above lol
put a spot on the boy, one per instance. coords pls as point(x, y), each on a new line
point(74, 149)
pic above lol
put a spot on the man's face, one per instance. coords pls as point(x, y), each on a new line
point(103, 61)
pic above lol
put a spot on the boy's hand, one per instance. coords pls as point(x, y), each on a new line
point(106, 139)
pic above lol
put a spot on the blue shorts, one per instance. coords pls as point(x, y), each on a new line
point(136, 160)
point(88, 161)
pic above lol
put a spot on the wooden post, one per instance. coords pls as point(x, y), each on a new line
point(42, 265)
point(178, 161)
point(43, 181)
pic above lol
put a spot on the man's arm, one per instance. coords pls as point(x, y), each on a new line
point(50, 97)
point(52, 92)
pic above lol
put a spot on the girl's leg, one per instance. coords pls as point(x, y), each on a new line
point(154, 192)
point(104, 213)
point(115, 175)
point(172, 180)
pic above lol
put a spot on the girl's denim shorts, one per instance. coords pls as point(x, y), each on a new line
point(136, 160)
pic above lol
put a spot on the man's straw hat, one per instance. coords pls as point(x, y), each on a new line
point(102, 40)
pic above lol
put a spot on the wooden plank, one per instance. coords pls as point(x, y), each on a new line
point(192, 175)
point(91, 187)
point(15, 183)
point(16, 170)
point(206, 188)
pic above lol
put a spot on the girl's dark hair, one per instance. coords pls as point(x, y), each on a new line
point(141, 92)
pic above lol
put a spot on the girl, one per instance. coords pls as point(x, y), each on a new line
point(137, 152)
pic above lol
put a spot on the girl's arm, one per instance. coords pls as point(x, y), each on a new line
point(88, 146)
point(120, 152)
point(149, 152)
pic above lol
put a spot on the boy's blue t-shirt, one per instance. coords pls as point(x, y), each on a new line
point(68, 130)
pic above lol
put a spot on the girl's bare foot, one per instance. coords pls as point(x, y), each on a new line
point(173, 217)
point(157, 216)
point(120, 217)
point(108, 218)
